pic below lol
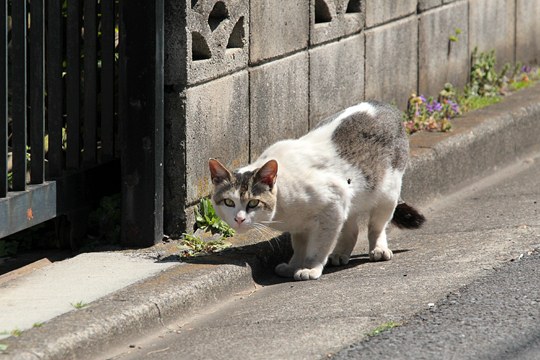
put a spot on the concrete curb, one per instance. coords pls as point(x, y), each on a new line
point(480, 141)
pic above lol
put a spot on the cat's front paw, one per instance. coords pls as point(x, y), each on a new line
point(308, 274)
point(284, 270)
point(380, 254)
point(338, 259)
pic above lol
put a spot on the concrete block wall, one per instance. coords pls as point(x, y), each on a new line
point(242, 74)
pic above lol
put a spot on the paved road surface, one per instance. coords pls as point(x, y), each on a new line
point(468, 235)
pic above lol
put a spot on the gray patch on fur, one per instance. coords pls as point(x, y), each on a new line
point(373, 144)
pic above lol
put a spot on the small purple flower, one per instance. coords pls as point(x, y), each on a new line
point(423, 98)
point(454, 106)
point(526, 69)
point(433, 106)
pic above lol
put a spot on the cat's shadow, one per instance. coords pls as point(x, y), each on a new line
point(262, 258)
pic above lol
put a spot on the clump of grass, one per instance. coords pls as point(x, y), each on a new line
point(14, 332)
point(382, 328)
point(79, 305)
point(210, 235)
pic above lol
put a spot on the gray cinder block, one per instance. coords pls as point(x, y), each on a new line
point(205, 40)
point(382, 11)
point(439, 59)
point(491, 26)
point(332, 19)
point(528, 31)
point(278, 101)
point(217, 125)
point(391, 61)
point(424, 5)
point(277, 28)
point(336, 77)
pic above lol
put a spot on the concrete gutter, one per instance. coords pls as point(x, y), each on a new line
point(480, 142)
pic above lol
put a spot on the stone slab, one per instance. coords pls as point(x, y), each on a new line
point(491, 26)
point(278, 101)
point(336, 75)
point(424, 5)
point(277, 28)
point(439, 59)
point(332, 19)
point(528, 31)
point(382, 11)
point(391, 62)
point(217, 126)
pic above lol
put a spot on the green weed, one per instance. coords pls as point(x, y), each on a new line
point(193, 245)
point(207, 219)
point(79, 305)
point(382, 328)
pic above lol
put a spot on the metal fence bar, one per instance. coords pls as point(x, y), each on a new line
point(73, 86)
point(18, 86)
point(107, 79)
point(37, 91)
point(90, 70)
point(54, 87)
point(3, 98)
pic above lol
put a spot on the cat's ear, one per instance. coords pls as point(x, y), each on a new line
point(218, 172)
point(267, 174)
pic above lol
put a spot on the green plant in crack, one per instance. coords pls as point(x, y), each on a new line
point(210, 235)
point(207, 219)
point(382, 328)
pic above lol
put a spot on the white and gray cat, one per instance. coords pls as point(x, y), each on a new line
point(320, 186)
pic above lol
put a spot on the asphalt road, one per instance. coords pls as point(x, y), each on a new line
point(495, 317)
point(486, 303)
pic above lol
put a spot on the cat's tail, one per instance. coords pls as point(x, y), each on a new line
point(407, 217)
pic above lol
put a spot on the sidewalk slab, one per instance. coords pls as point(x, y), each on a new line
point(168, 291)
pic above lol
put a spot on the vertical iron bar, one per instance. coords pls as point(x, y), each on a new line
point(141, 121)
point(90, 70)
point(3, 98)
point(54, 87)
point(73, 87)
point(37, 91)
point(19, 100)
point(107, 79)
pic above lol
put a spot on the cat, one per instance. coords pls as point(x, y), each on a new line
point(319, 187)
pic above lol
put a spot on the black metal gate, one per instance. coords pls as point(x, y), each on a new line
point(81, 104)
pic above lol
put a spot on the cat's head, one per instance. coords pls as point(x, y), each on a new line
point(246, 198)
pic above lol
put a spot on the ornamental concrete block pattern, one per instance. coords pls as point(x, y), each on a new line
point(217, 125)
point(209, 41)
point(278, 101)
point(440, 59)
point(336, 77)
point(332, 19)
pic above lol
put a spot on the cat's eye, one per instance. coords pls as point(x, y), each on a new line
point(228, 202)
point(252, 203)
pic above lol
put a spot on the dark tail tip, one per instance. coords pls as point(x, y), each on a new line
point(407, 217)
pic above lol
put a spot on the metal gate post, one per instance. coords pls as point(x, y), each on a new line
point(141, 121)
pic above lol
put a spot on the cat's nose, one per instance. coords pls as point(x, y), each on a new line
point(239, 219)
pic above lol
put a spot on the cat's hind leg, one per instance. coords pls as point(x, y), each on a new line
point(380, 215)
point(346, 242)
point(299, 244)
